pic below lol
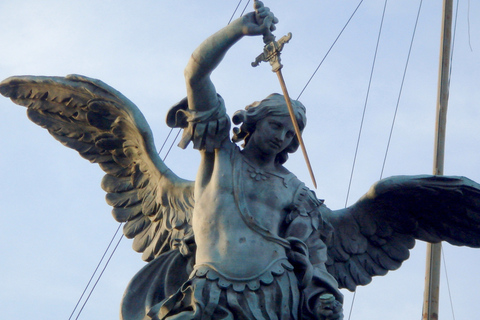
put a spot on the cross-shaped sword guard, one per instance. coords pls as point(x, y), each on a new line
point(271, 53)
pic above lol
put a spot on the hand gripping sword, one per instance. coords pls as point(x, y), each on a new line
point(271, 53)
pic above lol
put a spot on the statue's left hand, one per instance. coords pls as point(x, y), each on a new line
point(330, 309)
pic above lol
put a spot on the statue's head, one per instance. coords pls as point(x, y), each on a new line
point(273, 105)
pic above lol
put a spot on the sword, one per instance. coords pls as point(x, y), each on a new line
point(271, 53)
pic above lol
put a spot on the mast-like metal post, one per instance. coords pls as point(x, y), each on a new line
point(434, 251)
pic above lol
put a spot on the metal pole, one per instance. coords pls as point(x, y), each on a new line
point(432, 275)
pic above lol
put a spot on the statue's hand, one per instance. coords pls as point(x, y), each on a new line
point(328, 308)
point(260, 22)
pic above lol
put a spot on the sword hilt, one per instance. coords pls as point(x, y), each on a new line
point(272, 48)
point(271, 53)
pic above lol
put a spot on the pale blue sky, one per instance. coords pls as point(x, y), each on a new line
point(55, 222)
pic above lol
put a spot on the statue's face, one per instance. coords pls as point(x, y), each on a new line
point(273, 134)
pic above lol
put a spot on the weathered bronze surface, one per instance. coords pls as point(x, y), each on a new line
point(247, 239)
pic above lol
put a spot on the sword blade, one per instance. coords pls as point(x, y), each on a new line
point(295, 125)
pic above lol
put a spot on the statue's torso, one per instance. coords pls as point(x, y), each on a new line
point(224, 240)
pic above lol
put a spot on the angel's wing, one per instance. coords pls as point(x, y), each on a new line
point(375, 234)
point(106, 128)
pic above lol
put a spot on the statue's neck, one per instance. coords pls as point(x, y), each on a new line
point(258, 159)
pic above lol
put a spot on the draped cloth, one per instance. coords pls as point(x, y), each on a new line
point(209, 294)
point(158, 280)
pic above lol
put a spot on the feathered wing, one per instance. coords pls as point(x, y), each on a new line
point(374, 235)
point(106, 128)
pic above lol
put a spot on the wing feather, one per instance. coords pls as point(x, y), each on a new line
point(123, 199)
point(375, 235)
point(124, 214)
point(135, 226)
point(106, 128)
point(116, 184)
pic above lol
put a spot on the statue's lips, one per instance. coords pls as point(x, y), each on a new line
point(274, 144)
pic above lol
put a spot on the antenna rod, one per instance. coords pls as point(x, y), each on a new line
point(432, 274)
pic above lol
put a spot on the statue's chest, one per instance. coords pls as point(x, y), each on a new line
point(267, 195)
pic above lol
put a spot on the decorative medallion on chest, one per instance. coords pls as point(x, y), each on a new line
point(257, 174)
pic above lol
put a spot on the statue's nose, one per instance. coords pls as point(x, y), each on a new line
point(281, 135)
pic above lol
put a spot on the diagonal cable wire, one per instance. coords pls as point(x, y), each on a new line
point(453, 44)
point(178, 133)
point(393, 123)
point(468, 26)
point(245, 8)
point(401, 88)
point(330, 49)
point(366, 103)
point(98, 279)
point(351, 306)
point(448, 283)
point(235, 11)
point(361, 126)
point(164, 142)
point(94, 272)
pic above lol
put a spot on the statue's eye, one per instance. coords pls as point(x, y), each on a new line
point(275, 125)
point(290, 134)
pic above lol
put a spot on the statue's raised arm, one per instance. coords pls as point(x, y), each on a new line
point(200, 89)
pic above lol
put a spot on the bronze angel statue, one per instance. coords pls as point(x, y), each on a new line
point(246, 239)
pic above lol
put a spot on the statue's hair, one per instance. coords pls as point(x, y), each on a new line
point(273, 105)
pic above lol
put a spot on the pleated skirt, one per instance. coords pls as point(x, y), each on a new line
point(208, 294)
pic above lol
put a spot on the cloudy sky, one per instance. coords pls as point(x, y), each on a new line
point(55, 222)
